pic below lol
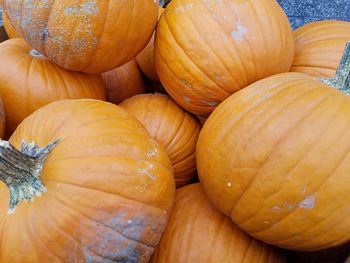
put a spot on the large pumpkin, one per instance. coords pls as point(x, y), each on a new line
point(29, 81)
point(319, 47)
point(10, 30)
point(275, 158)
point(123, 82)
point(197, 232)
point(174, 128)
point(207, 50)
point(90, 36)
point(106, 198)
point(146, 57)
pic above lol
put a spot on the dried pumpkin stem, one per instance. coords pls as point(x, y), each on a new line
point(20, 170)
point(341, 80)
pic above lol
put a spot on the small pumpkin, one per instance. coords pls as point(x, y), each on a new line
point(175, 129)
point(29, 81)
point(146, 58)
point(207, 50)
point(88, 36)
point(123, 82)
point(103, 198)
point(197, 232)
point(319, 47)
point(10, 30)
point(275, 158)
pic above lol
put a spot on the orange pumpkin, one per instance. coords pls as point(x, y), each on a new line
point(172, 127)
point(123, 82)
point(319, 47)
point(10, 30)
point(2, 119)
point(197, 232)
point(275, 158)
point(146, 58)
point(29, 81)
point(207, 50)
point(103, 197)
point(93, 37)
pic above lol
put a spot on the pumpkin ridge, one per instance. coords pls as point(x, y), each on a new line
point(70, 237)
point(211, 49)
point(275, 146)
point(105, 192)
point(197, 91)
point(314, 191)
point(32, 230)
point(173, 92)
point(76, 211)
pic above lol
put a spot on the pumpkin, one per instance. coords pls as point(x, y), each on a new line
point(319, 47)
point(332, 255)
point(123, 82)
point(275, 158)
point(10, 30)
point(2, 119)
point(89, 36)
point(146, 58)
point(175, 129)
point(29, 81)
point(197, 232)
point(207, 50)
point(103, 197)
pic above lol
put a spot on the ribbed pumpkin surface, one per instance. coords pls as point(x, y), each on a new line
point(29, 81)
point(207, 50)
point(10, 30)
point(123, 82)
point(92, 36)
point(197, 232)
point(319, 47)
point(107, 199)
point(275, 158)
point(172, 127)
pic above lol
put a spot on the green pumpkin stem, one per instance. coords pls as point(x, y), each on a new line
point(20, 170)
point(341, 80)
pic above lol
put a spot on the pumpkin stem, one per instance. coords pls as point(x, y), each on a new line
point(341, 80)
point(20, 170)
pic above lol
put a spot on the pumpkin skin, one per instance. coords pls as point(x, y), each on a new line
point(29, 81)
point(2, 119)
point(193, 217)
point(123, 82)
point(105, 200)
point(207, 50)
point(92, 37)
point(10, 30)
point(146, 58)
point(172, 127)
point(274, 157)
point(319, 47)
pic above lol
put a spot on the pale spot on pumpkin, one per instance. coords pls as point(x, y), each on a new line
point(186, 99)
point(147, 171)
point(239, 32)
point(152, 152)
point(308, 203)
point(89, 8)
point(229, 184)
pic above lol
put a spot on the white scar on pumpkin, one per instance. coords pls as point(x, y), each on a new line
point(239, 32)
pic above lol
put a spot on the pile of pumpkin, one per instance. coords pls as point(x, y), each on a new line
point(86, 180)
